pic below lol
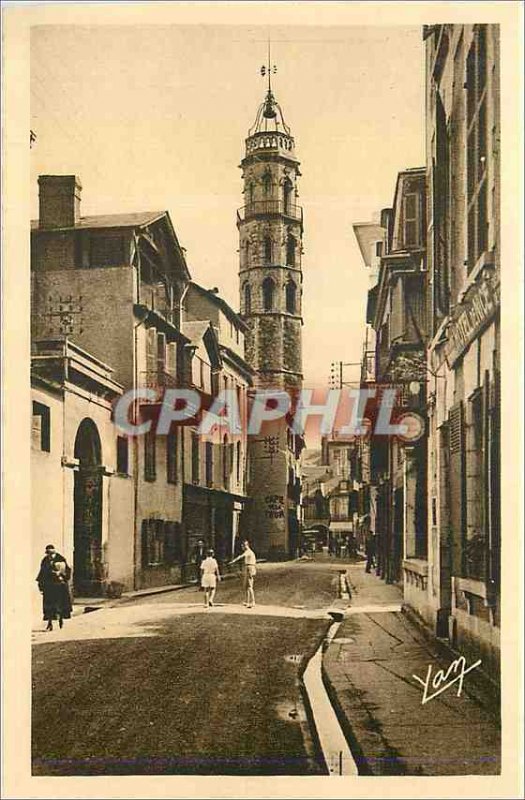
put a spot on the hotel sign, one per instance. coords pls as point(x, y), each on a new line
point(472, 315)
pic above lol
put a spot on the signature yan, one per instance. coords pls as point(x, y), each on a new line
point(443, 679)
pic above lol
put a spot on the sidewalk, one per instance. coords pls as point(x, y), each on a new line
point(368, 671)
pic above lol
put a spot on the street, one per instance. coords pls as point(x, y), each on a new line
point(161, 685)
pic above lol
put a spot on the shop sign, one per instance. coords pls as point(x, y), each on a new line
point(474, 313)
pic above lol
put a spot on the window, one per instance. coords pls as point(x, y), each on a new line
point(106, 251)
point(226, 466)
point(195, 458)
point(151, 355)
point(268, 249)
point(267, 183)
point(161, 353)
point(171, 457)
point(476, 85)
point(209, 464)
point(287, 195)
point(171, 359)
point(251, 190)
point(172, 542)
point(153, 542)
point(290, 250)
point(122, 455)
point(268, 288)
point(441, 210)
point(41, 427)
point(150, 456)
point(247, 298)
point(238, 462)
point(291, 291)
point(411, 220)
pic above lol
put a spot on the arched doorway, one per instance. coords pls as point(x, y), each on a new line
point(88, 570)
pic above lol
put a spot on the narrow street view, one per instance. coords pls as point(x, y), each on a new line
point(162, 685)
point(266, 434)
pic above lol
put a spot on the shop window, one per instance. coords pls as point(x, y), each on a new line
point(150, 456)
point(41, 427)
point(172, 543)
point(122, 455)
point(153, 542)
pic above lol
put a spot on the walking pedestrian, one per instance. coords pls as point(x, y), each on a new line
point(249, 571)
point(53, 583)
point(199, 554)
point(371, 547)
point(210, 575)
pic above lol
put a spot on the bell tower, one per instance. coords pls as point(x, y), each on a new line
point(270, 225)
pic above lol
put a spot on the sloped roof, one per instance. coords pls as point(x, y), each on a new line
point(129, 220)
point(227, 310)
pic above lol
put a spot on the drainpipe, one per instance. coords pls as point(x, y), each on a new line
point(136, 536)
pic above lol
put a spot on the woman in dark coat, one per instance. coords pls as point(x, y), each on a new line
point(52, 581)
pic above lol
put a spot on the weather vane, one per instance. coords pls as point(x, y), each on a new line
point(269, 106)
point(268, 70)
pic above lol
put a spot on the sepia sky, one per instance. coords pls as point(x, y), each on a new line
point(154, 118)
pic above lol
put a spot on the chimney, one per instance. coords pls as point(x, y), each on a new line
point(59, 201)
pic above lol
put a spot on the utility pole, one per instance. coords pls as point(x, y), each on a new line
point(336, 374)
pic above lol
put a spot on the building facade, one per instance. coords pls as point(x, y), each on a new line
point(394, 473)
point(215, 461)
point(81, 493)
point(270, 228)
point(113, 285)
point(462, 596)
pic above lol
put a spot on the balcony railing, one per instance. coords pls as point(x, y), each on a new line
point(270, 207)
point(158, 380)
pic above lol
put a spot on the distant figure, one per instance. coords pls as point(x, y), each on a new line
point(53, 583)
point(352, 546)
point(199, 554)
point(249, 572)
point(209, 576)
point(371, 548)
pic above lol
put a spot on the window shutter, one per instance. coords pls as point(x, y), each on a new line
point(171, 359)
point(457, 485)
point(161, 353)
point(145, 542)
point(151, 351)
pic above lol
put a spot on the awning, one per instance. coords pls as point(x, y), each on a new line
point(348, 526)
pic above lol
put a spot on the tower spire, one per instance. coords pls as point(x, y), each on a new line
point(270, 102)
